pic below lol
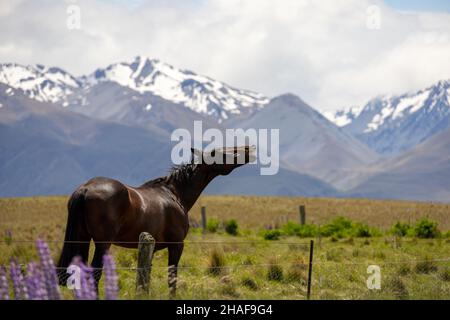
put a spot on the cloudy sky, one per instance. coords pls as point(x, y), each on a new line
point(331, 53)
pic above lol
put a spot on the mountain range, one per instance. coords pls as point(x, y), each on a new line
point(393, 124)
point(58, 130)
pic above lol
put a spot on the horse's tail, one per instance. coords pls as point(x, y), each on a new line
point(76, 240)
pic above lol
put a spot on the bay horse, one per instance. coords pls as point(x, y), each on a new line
point(109, 212)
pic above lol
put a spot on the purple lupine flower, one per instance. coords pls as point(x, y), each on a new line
point(49, 270)
point(35, 282)
point(87, 290)
point(111, 287)
point(20, 290)
point(4, 287)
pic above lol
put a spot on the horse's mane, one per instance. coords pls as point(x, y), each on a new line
point(180, 174)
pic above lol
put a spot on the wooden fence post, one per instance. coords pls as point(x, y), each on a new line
point(204, 219)
point(311, 253)
point(302, 214)
point(145, 256)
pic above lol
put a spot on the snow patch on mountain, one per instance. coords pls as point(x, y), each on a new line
point(199, 93)
point(343, 117)
point(39, 82)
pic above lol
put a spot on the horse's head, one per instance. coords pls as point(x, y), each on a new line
point(224, 160)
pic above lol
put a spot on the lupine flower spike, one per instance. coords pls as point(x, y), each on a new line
point(4, 287)
point(49, 270)
point(35, 282)
point(111, 287)
point(20, 290)
point(87, 290)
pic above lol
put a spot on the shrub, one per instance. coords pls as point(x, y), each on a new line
point(426, 229)
point(249, 283)
point(272, 234)
point(401, 229)
point(212, 225)
point(216, 262)
point(231, 227)
point(275, 272)
point(403, 270)
point(338, 227)
point(362, 230)
point(426, 266)
point(307, 231)
point(444, 274)
point(299, 230)
point(397, 287)
point(290, 228)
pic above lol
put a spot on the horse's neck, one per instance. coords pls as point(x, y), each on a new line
point(190, 192)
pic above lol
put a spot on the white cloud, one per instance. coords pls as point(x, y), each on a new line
point(320, 50)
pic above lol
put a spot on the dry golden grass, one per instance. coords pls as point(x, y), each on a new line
point(256, 212)
point(250, 212)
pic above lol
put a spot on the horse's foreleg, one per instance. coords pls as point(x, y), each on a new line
point(175, 251)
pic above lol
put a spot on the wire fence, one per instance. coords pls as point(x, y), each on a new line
point(238, 269)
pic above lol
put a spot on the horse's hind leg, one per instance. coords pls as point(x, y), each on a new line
point(175, 251)
point(101, 248)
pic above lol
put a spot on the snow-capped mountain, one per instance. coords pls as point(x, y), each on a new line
point(39, 82)
point(143, 75)
point(199, 93)
point(344, 116)
point(391, 124)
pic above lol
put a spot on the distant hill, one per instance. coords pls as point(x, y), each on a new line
point(49, 150)
point(422, 173)
point(309, 143)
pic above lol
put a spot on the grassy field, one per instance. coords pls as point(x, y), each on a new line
point(218, 265)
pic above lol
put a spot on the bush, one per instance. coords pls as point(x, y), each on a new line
point(403, 270)
point(444, 274)
point(272, 234)
point(290, 228)
point(426, 266)
point(397, 287)
point(212, 225)
point(216, 262)
point(426, 229)
point(275, 272)
point(362, 230)
point(250, 283)
point(338, 227)
point(401, 229)
point(231, 227)
point(299, 230)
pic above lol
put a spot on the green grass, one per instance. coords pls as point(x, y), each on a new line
point(246, 266)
